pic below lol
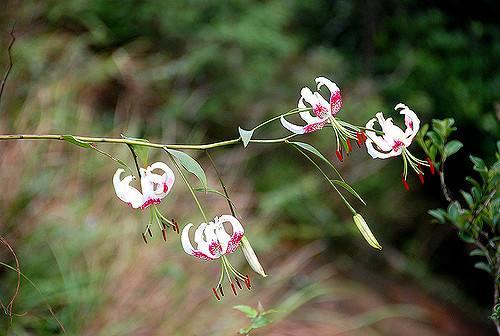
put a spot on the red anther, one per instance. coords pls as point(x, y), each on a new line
point(234, 289)
point(407, 187)
point(339, 155)
point(431, 166)
point(175, 227)
point(144, 237)
point(363, 136)
point(150, 233)
point(164, 233)
point(420, 175)
point(349, 145)
point(359, 139)
point(220, 290)
point(215, 293)
point(247, 282)
point(238, 282)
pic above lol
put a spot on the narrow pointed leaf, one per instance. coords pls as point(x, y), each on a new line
point(248, 311)
point(190, 164)
point(71, 139)
point(246, 136)
point(316, 152)
point(349, 189)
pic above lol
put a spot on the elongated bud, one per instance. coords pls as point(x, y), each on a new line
point(365, 231)
point(251, 257)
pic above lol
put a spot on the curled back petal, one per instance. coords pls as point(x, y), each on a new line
point(292, 127)
point(412, 122)
point(125, 192)
point(335, 97)
point(189, 249)
point(238, 232)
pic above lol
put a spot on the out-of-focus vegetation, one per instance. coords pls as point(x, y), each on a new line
point(192, 71)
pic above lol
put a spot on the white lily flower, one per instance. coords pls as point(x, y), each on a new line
point(214, 242)
point(154, 186)
point(323, 110)
point(212, 239)
point(394, 140)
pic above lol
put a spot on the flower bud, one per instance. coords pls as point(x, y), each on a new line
point(251, 257)
point(365, 231)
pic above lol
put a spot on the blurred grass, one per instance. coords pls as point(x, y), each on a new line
point(192, 72)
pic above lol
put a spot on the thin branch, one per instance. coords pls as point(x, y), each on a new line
point(444, 187)
point(8, 309)
point(229, 202)
point(11, 63)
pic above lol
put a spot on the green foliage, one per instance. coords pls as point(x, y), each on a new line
point(435, 142)
point(477, 220)
point(259, 317)
point(190, 164)
point(142, 152)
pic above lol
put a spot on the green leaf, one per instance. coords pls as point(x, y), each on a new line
point(466, 237)
point(483, 266)
point(260, 321)
point(454, 211)
point(437, 141)
point(468, 198)
point(245, 136)
point(477, 253)
point(190, 164)
point(316, 152)
point(142, 152)
point(452, 147)
point(479, 164)
point(71, 139)
point(349, 189)
point(247, 310)
point(439, 215)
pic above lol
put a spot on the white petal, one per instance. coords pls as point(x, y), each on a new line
point(309, 97)
point(235, 224)
point(328, 83)
point(373, 137)
point(322, 101)
point(186, 243)
point(147, 186)
point(238, 232)
point(374, 153)
point(199, 238)
point(222, 236)
point(412, 120)
point(291, 127)
point(125, 192)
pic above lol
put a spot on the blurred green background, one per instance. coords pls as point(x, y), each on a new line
point(192, 72)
